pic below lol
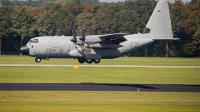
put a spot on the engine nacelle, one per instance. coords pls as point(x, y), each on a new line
point(77, 53)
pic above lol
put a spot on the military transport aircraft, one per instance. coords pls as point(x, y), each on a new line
point(93, 48)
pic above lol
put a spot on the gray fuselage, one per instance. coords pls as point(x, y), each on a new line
point(62, 47)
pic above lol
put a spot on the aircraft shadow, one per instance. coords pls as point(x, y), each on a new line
point(121, 85)
point(85, 86)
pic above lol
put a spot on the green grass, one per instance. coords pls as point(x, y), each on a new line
point(87, 101)
point(56, 101)
point(9, 59)
point(100, 75)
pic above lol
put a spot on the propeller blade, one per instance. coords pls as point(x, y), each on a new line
point(82, 36)
point(74, 36)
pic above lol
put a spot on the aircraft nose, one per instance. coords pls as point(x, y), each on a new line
point(24, 50)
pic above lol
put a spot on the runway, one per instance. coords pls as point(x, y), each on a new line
point(98, 87)
point(96, 65)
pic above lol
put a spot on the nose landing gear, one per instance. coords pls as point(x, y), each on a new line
point(37, 59)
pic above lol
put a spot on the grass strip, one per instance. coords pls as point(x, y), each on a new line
point(56, 101)
point(99, 75)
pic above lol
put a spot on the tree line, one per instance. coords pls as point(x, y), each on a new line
point(19, 24)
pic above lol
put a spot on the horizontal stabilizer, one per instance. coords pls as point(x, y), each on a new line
point(166, 39)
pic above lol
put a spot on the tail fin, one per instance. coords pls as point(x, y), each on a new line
point(159, 24)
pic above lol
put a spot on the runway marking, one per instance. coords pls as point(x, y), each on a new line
point(92, 65)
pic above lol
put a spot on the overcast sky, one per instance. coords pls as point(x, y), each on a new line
point(172, 1)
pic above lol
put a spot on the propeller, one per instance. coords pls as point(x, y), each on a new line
point(82, 38)
point(74, 36)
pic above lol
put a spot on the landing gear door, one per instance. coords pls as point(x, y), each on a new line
point(32, 50)
point(48, 51)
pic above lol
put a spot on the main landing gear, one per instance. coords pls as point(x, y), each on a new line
point(81, 60)
point(89, 61)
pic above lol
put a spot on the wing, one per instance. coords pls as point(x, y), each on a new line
point(114, 38)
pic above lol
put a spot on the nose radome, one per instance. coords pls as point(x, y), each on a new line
point(24, 50)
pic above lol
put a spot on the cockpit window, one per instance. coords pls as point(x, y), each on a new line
point(34, 41)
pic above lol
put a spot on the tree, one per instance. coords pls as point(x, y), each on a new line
point(22, 23)
point(197, 43)
point(44, 24)
point(127, 21)
point(193, 1)
point(5, 23)
point(64, 22)
point(83, 20)
point(63, 2)
point(143, 9)
point(104, 20)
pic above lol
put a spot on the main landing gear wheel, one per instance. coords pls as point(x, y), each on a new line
point(37, 59)
point(97, 60)
point(81, 60)
point(89, 61)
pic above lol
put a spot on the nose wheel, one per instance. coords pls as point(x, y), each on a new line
point(37, 59)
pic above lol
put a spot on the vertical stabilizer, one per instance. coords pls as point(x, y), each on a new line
point(159, 24)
